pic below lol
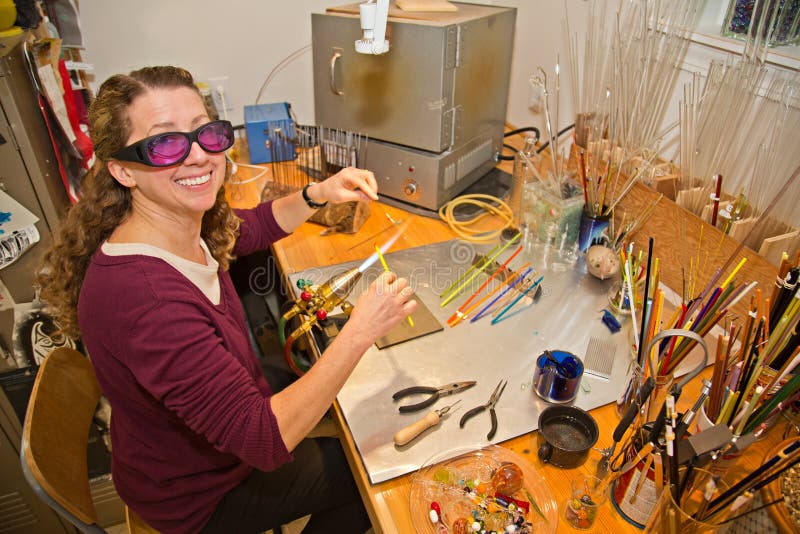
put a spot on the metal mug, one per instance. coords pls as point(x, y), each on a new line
point(566, 434)
point(557, 383)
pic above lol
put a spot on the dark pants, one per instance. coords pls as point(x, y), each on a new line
point(317, 482)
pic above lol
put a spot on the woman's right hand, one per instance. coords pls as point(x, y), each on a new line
point(386, 302)
point(299, 407)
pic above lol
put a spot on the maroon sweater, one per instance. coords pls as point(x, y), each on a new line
point(191, 414)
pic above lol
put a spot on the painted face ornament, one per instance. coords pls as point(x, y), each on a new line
point(602, 262)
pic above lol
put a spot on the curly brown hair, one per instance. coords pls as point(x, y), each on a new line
point(105, 203)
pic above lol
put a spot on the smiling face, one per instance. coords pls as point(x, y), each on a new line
point(187, 189)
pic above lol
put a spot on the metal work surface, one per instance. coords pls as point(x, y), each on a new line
point(566, 316)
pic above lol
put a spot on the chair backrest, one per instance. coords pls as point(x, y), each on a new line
point(55, 436)
point(136, 524)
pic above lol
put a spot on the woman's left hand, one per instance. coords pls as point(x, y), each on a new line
point(346, 185)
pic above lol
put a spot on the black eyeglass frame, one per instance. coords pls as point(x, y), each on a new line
point(137, 152)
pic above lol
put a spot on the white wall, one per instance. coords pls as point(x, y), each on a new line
point(241, 39)
point(245, 39)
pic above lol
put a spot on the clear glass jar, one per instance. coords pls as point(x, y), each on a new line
point(522, 174)
point(541, 208)
point(669, 516)
point(782, 20)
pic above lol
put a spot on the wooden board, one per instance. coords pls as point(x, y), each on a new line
point(394, 12)
point(677, 237)
point(772, 248)
point(426, 5)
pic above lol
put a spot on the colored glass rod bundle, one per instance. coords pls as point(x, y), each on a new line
point(703, 504)
point(735, 498)
point(510, 287)
point(754, 383)
point(703, 313)
point(635, 271)
point(751, 384)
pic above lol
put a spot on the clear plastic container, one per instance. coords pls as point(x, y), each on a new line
point(550, 224)
point(541, 206)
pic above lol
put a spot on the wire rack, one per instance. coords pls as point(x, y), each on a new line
point(302, 154)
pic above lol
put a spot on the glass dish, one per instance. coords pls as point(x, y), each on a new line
point(444, 482)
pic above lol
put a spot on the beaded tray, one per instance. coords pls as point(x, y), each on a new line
point(464, 490)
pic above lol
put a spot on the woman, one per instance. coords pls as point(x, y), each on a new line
point(139, 271)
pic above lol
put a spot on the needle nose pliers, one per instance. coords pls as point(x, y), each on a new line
point(495, 396)
point(434, 393)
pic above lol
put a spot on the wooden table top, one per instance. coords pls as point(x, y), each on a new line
point(388, 502)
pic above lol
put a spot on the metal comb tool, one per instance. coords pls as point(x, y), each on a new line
point(599, 359)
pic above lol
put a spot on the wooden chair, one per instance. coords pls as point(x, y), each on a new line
point(55, 437)
point(136, 525)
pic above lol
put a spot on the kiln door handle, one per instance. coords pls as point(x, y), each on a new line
point(337, 53)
